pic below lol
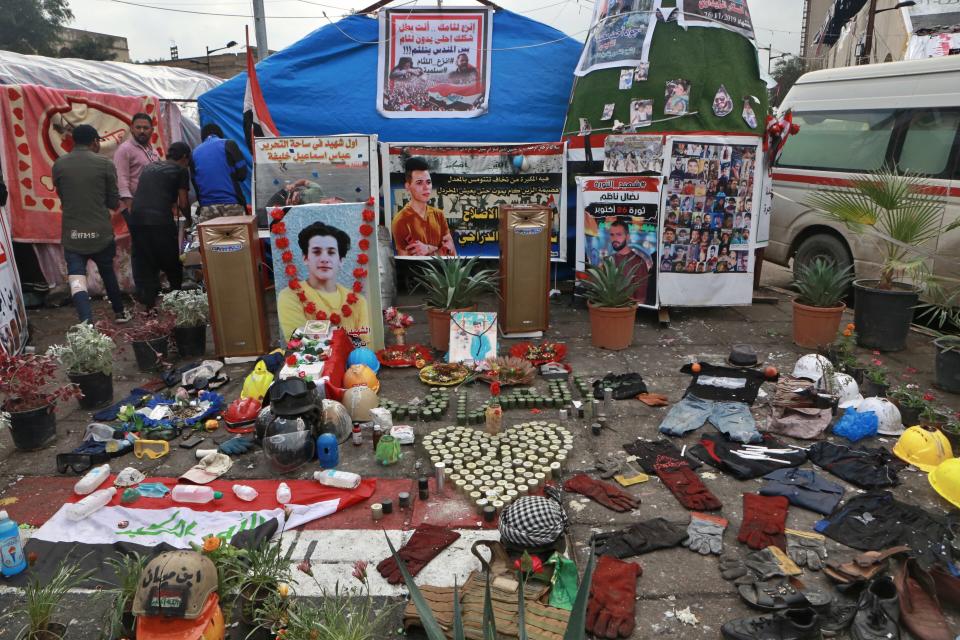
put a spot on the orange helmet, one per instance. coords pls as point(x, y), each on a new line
point(360, 375)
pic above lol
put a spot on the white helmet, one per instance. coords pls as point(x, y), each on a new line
point(847, 390)
point(889, 422)
point(812, 367)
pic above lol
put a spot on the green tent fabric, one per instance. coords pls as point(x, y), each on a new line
point(707, 57)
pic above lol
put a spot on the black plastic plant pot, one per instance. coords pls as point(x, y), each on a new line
point(883, 316)
point(150, 353)
point(871, 389)
point(191, 341)
point(34, 429)
point(947, 368)
point(97, 389)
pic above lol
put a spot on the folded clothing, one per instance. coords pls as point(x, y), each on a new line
point(746, 461)
point(725, 384)
point(623, 385)
point(866, 467)
point(803, 488)
point(798, 422)
point(647, 451)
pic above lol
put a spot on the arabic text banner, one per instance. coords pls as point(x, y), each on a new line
point(458, 212)
point(434, 64)
point(724, 14)
point(620, 35)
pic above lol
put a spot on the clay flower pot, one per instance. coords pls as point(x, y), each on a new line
point(439, 322)
point(815, 327)
point(612, 327)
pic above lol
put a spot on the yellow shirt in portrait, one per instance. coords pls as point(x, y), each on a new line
point(292, 315)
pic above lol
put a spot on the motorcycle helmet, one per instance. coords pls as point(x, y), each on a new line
point(288, 443)
point(292, 397)
point(812, 367)
point(364, 356)
point(847, 390)
point(359, 401)
point(336, 420)
point(888, 416)
point(264, 418)
point(360, 375)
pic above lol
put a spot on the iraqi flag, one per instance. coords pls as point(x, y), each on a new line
point(152, 525)
point(257, 122)
point(456, 94)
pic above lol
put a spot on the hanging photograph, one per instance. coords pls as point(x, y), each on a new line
point(473, 336)
point(722, 103)
point(749, 116)
point(641, 71)
point(620, 35)
point(632, 154)
point(677, 95)
point(626, 79)
point(585, 128)
point(434, 63)
point(725, 14)
point(607, 111)
point(641, 113)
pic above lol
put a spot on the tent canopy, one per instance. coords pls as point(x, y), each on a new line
point(326, 84)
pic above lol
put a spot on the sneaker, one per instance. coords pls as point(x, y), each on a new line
point(123, 317)
point(878, 613)
point(791, 624)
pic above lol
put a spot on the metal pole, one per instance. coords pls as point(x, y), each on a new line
point(867, 53)
point(208, 60)
point(260, 26)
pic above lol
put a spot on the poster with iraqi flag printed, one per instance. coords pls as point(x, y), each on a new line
point(724, 14)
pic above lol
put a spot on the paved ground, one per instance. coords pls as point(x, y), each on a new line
point(672, 581)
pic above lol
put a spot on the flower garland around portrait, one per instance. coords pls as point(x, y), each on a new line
point(278, 229)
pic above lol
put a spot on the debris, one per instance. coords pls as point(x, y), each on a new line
point(686, 617)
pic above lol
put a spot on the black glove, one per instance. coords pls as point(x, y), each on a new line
point(642, 537)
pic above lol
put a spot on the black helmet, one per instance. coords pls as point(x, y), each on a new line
point(293, 397)
point(288, 443)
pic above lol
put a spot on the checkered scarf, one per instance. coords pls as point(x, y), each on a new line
point(534, 521)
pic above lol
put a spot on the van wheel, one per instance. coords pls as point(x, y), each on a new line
point(821, 245)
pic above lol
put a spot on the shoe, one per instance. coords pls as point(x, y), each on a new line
point(123, 317)
point(791, 624)
point(878, 612)
point(837, 617)
point(920, 610)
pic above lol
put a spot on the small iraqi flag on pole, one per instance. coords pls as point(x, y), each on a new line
point(257, 122)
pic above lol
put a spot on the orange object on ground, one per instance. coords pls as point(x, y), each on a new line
point(208, 626)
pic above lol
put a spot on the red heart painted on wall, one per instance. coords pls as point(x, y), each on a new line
point(18, 113)
point(154, 138)
point(27, 182)
point(13, 93)
point(30, 202)
point(149, 107)
point(49, 203)
point(17, 130)
point(23, 166)
point(23, 148)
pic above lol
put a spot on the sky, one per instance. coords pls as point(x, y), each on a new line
point(150, 32)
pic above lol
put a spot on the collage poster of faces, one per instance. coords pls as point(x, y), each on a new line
point(708, 213)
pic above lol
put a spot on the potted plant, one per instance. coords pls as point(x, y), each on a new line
point(875, 379)
point(821, 286)
point(608, 289)
point(911, 402)
point(148, 332)
point(901, 212)
point(951, 429)
point(28, 398)
point(42, 599)
point(191, 311)
point(844, 353)
point(942, 310)
point(119, 620)
point(263, 570)
point(87, 355)
point(451, 285)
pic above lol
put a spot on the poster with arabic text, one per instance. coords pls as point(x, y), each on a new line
point(620, 35)
point(724, 14)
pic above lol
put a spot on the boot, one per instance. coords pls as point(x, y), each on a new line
point(879, 612)
point(838, 616)
point(790, 624)
point(920, 610)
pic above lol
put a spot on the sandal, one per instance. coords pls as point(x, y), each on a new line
point(775, 595)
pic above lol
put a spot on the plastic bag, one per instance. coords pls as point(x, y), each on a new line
point(854, 425)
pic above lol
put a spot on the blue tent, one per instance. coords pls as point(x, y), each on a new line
point(326, 84)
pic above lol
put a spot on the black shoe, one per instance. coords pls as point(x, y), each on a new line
point(837, 617)
point(791, 624)
point(878, 612)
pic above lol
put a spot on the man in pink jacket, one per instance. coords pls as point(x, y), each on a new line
point(132, 156)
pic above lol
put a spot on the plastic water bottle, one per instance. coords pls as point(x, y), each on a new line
point(245, 493)
point(197, 494)
point(284, 495)
point(94, 478)
point(339, 479)
point(11, 549)
point(92, 503)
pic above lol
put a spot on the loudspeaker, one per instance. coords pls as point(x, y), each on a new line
point(230, 250)
point(525, 269)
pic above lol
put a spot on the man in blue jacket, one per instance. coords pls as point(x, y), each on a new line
point(218, 168)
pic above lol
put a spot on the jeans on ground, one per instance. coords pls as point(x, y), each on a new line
point(155, 249)
point(733, 419)
point(77, 266)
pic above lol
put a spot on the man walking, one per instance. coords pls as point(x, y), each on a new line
point(132, 156)
point(162, 193)
point(87, 186)
point(218, 169)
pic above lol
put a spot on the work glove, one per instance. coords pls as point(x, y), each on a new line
point(610, 496)
point(608, 467)
point(764, 521)
point(806, 549)
point(613, 596)
point(639, 538)
point(424, 545)
point(236, 446)
point(705, 534)
point(685, 485)
point(757, 566)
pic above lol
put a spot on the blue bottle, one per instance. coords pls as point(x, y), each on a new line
point(328, 451)
point(11, 549)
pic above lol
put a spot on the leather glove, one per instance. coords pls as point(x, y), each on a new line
point(757, 566)
point(685, 485)
point(613, 594)
point(642, 537)
point(705, 534)
point(764, 521)
point(424, 545)
point(806, 549)
point(610, 496)
point(236, 446)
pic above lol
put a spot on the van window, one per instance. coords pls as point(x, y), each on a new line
point(854, 141)
point(929, 142)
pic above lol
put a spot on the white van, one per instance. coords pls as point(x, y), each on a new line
point(854, 120)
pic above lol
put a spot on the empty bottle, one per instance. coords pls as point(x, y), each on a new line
point(284, 495)
point(340, 479)
point(196, 494)
point(244, 492)
point(11, 549)
point(94, 478)
point(91, 504)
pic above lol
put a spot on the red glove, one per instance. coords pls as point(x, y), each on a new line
point(605, 493)
point(424, 545)
point(685, 485)
point(764, 521)
point(613, 596)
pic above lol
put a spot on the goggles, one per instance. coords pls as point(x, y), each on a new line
point(153, 449)
point(79, 462)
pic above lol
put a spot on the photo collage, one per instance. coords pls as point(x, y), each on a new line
point(708, 209)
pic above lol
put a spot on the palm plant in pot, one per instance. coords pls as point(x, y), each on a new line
point(42, 600)
point(29, 394)
point(901, 213)
point(191, 311)
point(87, 355)
point(450, 285)
point(608, 289)
point(818, 308)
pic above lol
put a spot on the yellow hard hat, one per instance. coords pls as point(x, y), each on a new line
point(923, 448)
point(945, 480)
point(360, 375)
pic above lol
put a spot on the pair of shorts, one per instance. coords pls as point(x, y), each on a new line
point(732, 419)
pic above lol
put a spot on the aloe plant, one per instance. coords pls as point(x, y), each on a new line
point(822, 283)
point(609, 284)
point(454, 283)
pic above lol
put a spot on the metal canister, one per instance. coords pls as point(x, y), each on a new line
point(404, 499)
point(376, 511)
point(439, 475)
point(387, 505)
point(423, 487)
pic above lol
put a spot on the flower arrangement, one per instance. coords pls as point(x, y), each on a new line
point(27, 382)
point(876, 372)
point(397, 321)
point(908, 395)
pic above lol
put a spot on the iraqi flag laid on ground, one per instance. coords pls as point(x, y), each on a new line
point(257, 122)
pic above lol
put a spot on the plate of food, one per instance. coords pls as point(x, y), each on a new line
point(444, 374)
point(538, 354)
point(405, 355)
point(508, 370)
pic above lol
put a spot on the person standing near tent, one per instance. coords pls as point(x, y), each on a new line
point(153, 229)
point(87, 186)
point(419, 229)
point(218, 168)
point(131, 157)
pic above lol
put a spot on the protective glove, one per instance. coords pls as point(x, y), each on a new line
point(642, 537)
point(764, 521)
point(610, 496)
point(757, 566)
point(608, 467)
point(806, 549)
point(685, 485)
point(705, 534)
point(424, 545)
point(613, 594)
point(236, 446)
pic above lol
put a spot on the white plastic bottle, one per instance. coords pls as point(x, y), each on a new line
point(197, 494)
point(92, 503)
point(245, 493)
point(284, 495)
point(94, 478)
point(339, 479)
